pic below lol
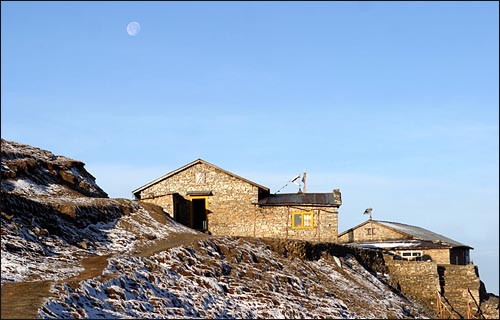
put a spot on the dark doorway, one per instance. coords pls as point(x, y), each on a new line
point(199, 214)
point(181, 209)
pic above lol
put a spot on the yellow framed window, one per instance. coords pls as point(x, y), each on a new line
point(303, 220)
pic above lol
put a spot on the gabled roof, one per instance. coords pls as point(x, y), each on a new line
point(318, 199)
point(198, 161)
point(413, 232)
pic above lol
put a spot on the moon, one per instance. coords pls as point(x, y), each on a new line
point(133, 28)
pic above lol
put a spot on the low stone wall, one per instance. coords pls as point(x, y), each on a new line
point(416, 279)
point(456, 282)
point(422, 280)
point(439, 256)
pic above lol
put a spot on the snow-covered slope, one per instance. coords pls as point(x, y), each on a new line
point(229, 278)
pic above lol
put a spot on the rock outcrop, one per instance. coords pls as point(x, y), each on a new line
point(40, 172)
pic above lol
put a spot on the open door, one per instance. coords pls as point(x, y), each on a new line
point(199, 213)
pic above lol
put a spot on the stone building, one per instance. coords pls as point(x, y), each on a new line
point(210, 199)
point(424, 265)
point(407, 242)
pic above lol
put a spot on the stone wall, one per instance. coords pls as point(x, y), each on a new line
point(439, 256)
point(422, 280)
point(456, 281)
point(370, 232)
point(230, 206)
point(276, 221)
point(416, 279)
point(164, 201)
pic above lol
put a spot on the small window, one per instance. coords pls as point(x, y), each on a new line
point(200, 178)
point(412, 255)
point(303, 220)
point(370, 231)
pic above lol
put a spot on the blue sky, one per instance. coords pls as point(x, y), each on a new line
point(396, 103)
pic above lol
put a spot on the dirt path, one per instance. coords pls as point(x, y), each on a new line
point(174, 240)
point(21, 300)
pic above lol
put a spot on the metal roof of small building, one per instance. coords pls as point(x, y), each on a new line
point(317, 199)
point(400, 245)
point(414, 232)
point(420, 233)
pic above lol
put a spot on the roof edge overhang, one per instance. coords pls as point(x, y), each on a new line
point(297, 204)
point(464, 246)
point(197, 161)
point(416, 246)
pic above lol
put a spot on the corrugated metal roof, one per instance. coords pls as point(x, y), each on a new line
point(400, 245)
point(420, 233)
point(319, 199)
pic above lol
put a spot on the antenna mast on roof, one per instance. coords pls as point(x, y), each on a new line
point(304, 180)
point(368, 211)
point(293, 180)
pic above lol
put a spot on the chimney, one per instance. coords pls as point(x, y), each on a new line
point(337, 196)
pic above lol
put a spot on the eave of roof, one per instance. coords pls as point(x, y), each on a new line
point(171, 173)
point(355, 227)
point(302, 199)
point(403, 245)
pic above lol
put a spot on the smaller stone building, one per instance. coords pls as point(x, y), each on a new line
point(407, 242)
point(210, 199)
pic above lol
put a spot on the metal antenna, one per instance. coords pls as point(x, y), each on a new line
point(291, 180)
point(368, 211)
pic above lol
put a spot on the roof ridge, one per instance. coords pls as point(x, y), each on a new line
point(190, 164)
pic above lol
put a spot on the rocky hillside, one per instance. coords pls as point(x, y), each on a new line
point(69, 251)
point(230, 278)
point(36, 172)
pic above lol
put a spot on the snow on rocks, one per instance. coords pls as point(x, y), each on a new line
point(35, 172)
point(228, 278)
point(28, 256)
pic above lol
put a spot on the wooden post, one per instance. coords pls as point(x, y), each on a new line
point(287, 220)
point(304, 180)
point(438, 305)
point(469, 311)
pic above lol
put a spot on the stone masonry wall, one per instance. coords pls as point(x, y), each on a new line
point(439, 256)
point(276, 221)
point(416, 279)
point(377, 233)
point(166, 202)
point(230, 207)
point(422, 280)
point(456, 280)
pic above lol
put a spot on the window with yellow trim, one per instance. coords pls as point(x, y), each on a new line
point(303, 220)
